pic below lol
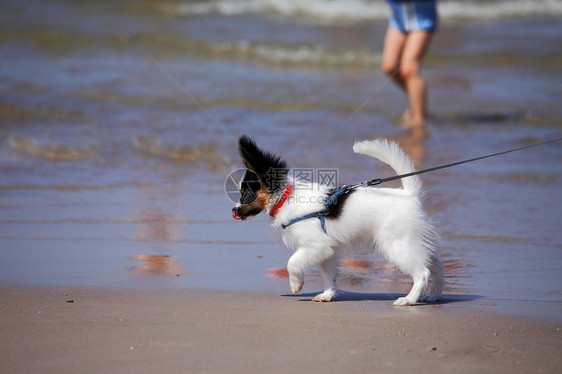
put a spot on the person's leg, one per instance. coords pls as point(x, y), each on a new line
point(392, 53)
point(415, 45)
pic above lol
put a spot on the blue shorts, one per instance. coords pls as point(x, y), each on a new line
point(413, 15)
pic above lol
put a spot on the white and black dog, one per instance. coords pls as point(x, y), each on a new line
point(319, 221)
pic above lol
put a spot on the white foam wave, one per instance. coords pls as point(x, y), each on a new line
point(365, 10)
point(499, 9)
point(321, 10)
point(280, 54)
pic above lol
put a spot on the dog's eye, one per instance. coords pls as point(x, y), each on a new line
point(249, 188)
point(247, 196)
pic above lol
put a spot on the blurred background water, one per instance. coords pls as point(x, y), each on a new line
point(119, 120)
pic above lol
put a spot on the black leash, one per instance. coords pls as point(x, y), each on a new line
point(374, 182)
point(342, 190)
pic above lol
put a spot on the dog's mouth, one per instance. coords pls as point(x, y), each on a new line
point(245, 213)
point(235, 215)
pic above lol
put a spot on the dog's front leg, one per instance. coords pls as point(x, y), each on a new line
point(327, 270)
point(304, 258)
point(296, 268)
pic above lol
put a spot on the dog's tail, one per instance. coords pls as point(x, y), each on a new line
point(391, 154)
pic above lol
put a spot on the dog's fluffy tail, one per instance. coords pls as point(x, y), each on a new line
point(391, 154)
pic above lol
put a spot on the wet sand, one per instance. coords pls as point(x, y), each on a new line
point(111, 330)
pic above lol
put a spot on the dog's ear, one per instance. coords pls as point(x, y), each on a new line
point(249, 152)
point(261, 162)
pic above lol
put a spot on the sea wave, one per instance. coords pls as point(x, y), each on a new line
point(499, 9)
point(285, 54)
point(52, 152)
point(321, 10)
point(182, 153)
point(363, 10)
point(270, 53)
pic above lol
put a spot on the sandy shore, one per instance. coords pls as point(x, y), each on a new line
point(110, 331)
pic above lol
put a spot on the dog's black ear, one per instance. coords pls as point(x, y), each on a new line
point(249, 152)
point(261, 162)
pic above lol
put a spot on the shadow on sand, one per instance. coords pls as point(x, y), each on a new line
point(343, 296)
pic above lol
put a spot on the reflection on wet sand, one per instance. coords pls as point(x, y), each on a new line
point(156, 265)
point(279, 273)
point(413, 145)
point(361, 271)
point(158, 228)
point(158, 215)
point(457, 277)
point(358, 271)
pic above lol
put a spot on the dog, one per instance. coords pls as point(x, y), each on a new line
point(320, 221)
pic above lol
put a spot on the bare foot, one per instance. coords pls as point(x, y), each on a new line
point(411, 123)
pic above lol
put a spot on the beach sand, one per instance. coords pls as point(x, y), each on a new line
point(187, 331)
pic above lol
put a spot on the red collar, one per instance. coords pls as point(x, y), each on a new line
point(281, 200)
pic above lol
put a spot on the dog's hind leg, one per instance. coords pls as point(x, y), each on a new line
point(328, 270)
point(410, 257)
point(421, 279)
point(437, 279)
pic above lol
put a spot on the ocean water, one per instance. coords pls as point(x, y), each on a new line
point(119, 121)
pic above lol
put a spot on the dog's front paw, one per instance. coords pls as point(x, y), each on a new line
point(296, 285)
point(296, 280)
point(325, 296)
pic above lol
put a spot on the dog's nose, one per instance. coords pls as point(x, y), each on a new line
point(235, 214)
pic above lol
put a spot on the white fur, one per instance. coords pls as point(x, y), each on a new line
point(390, 220)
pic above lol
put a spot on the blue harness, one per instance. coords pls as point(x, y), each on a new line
point(321, 215)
